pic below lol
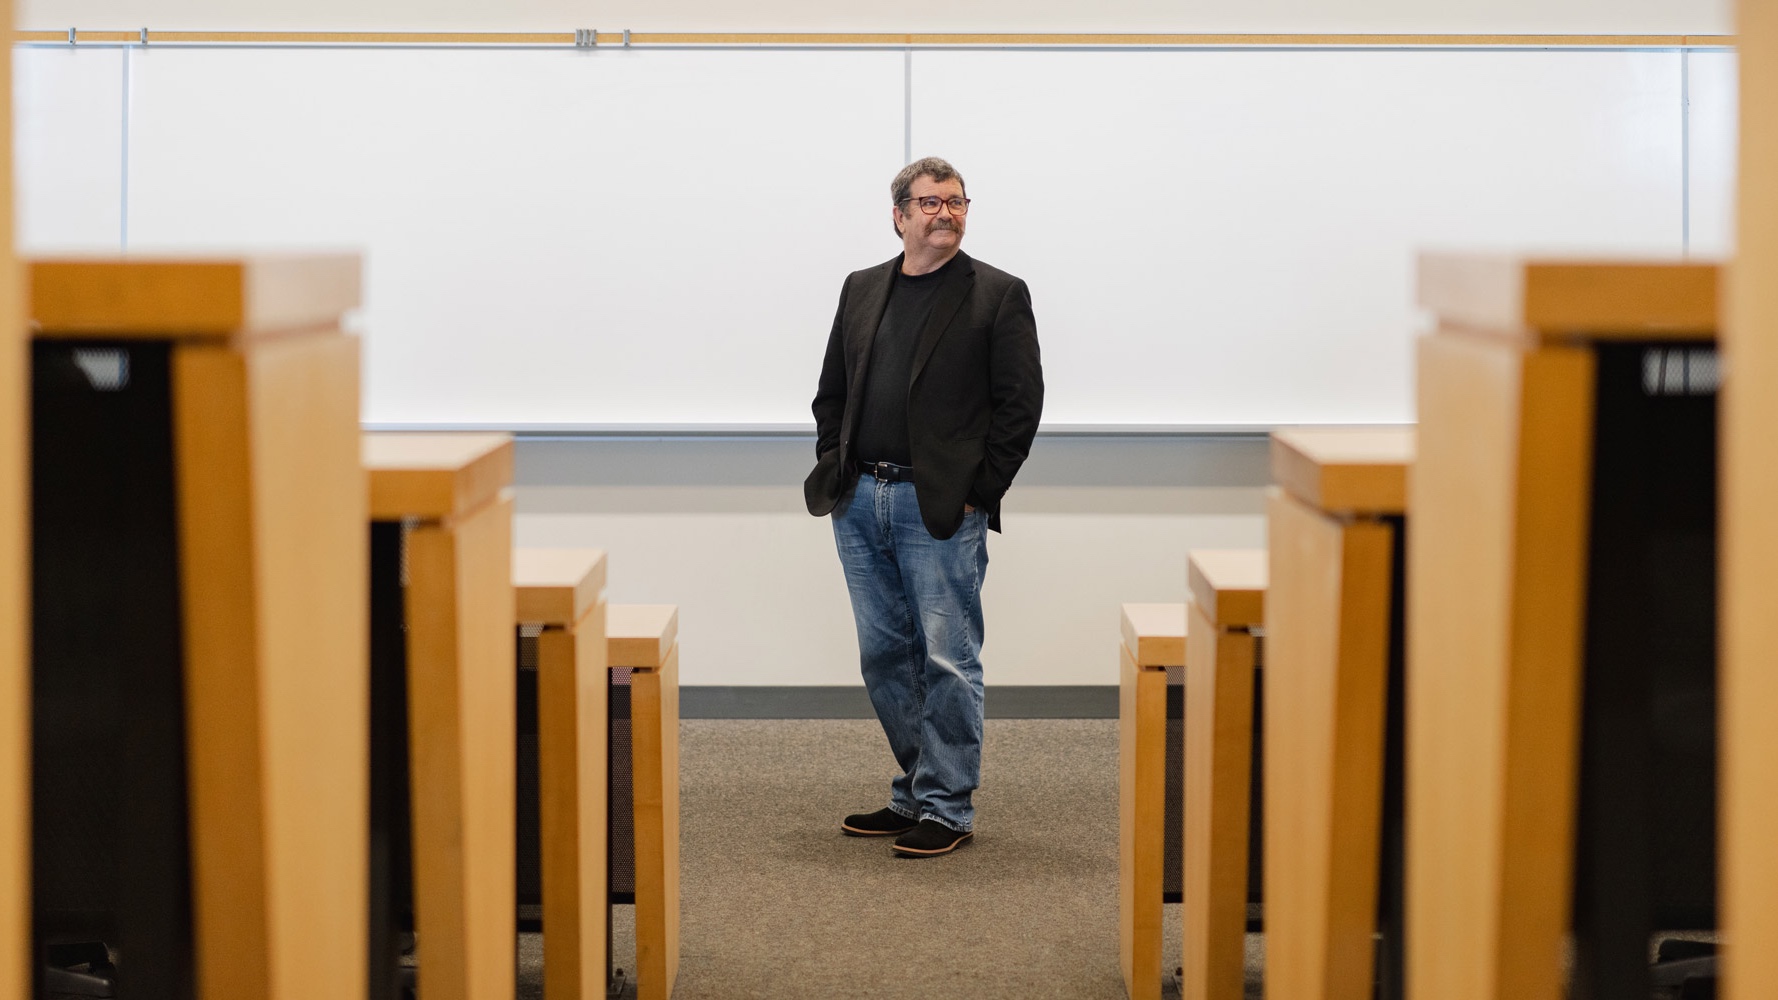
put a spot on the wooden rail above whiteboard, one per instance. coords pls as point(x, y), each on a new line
point(893, 39)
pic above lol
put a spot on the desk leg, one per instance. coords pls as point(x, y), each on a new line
point(462, 731)
point(1496, 567)
point(1327, 634)
point(1218, 775)
point(654, 728)
point(572, 704)
point(1748, 696)
point(276, 619)
point(1142, 803)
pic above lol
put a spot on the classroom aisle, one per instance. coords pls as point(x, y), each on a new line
point(778, 904)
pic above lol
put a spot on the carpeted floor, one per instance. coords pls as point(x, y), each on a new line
point(778, 904)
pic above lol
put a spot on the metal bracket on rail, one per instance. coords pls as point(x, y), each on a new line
point(586, 38)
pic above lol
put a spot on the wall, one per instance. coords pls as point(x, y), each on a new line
point(1296, 16)
point(719, 528)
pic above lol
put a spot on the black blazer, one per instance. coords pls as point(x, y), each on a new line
point(973, 402)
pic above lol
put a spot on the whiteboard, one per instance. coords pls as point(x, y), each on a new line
point(656, 238)
point(68, 149)
point(1229, 237)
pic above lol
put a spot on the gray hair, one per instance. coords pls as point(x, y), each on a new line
point(931, 166)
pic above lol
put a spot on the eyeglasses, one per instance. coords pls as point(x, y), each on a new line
point(931, 203)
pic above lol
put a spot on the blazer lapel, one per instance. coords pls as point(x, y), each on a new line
point(865, 318)
point(944, 309)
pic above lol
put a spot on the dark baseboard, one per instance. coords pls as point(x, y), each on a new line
point(1001, 702)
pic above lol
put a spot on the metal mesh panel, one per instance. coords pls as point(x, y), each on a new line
point(623, 816)
point(1256, 808)
point(110, 858)
point(1173, 834)
point(529, 844)
point(1681, 371)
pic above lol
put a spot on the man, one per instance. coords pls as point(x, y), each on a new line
point(929, 399)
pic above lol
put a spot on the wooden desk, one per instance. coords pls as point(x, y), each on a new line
point(15, 764)
point(1227, 608)
point(643, 644)
point(1749, 877)
point(200, 623)
point(562, 592)
point(441, 509)
point(1544, 377)
point(1332, 651)
point(1153, 640)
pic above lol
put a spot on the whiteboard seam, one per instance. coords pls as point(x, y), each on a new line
point(907, 106)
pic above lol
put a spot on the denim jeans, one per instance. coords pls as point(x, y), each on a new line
point(917, 604)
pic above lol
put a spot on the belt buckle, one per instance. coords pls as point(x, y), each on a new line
point(878, 470)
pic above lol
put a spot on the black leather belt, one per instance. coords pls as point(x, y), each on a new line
point(888, 472)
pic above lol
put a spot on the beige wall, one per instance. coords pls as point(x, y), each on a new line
point(1293, 16)
point(719, 528)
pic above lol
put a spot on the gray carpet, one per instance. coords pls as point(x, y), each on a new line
point(778, 904)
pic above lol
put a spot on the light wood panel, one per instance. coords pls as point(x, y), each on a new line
point(160, 298)
point(271, 499)
point(1142, 806)
point(573, 697)
point(1217, 805)
point(654, 729)
point(1154, 633)
point(644, 38)
point(1496, 569)
point(1559, 298)
point(1749, 541)
point(1344, 468)
point(558, 586)
point(641, 635)
point(1229, 585)
point(461, 707)
point(1327, 636)
point(15, 695)
point(435, 475)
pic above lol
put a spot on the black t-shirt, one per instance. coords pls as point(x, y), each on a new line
point(883, 412)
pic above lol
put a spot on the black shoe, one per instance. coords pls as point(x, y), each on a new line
point(930, 839)
point(882, 823)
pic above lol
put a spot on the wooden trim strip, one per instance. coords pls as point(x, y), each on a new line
point(938, 40)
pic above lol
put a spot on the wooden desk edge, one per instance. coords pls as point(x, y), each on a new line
point(158, 297)
point(1230, 592)
point(557, 586)
point(1373, 482)
point(446, 474)
point(1151, 636)
point(641, 636)
point(1547, 296)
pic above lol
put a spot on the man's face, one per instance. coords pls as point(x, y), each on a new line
point(922, 233)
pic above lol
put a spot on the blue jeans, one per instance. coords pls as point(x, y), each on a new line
point(917, 604)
